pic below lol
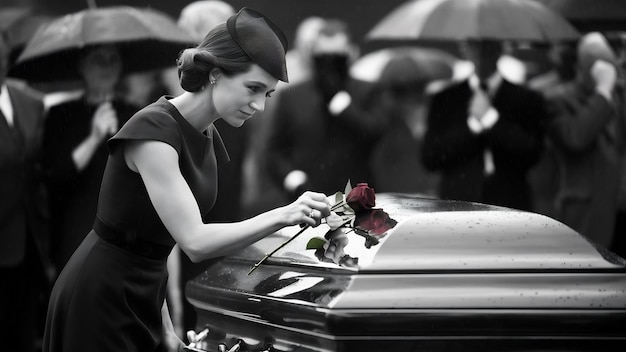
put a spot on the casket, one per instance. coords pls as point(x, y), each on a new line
point(450, 276)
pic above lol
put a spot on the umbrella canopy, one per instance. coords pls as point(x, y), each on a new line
point(19, 24)
point(147, 39)
point(9, 16)
point(403, 65)
point(511, 20)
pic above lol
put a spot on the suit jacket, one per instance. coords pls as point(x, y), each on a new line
point(588, 135)
point(303, 135)
point(23, 205)
point(515, 142)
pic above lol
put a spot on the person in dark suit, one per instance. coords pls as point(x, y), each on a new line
point(484, 134)
point(318, 136)
point(587, 128)
point(23, 213)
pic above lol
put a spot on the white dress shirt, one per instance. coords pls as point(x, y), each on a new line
point(5, 105)
point(480, 124)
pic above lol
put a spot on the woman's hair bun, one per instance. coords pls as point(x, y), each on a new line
point(194, 66)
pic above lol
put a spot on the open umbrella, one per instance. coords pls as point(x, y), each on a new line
point(403, 65)
point(19, 24)
point(147, 38)
point(511, 20)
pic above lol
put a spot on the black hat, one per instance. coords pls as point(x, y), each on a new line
point(261, 40)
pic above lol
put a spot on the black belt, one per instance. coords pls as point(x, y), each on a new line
point(130, 242)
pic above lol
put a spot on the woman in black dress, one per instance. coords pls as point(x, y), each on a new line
point(161, 177)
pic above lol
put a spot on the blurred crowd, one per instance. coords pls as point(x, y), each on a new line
point(491, 126)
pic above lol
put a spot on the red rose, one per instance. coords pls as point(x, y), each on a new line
point(361, 197)
point(376, 221)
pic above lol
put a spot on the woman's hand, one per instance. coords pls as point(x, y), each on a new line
point(310, 208)
point(172, 342)
point(104, 122)
point(604, 75)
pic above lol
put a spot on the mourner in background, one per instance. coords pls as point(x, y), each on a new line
point(318, 135)
point(587, 127)
point(485, 133)
point(75, 150)
point(25, 268)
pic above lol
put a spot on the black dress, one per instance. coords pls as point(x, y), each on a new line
point(109, 295)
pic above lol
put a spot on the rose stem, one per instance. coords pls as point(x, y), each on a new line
point(334, 207)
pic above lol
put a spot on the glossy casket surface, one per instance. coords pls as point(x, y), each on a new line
point(450, 276)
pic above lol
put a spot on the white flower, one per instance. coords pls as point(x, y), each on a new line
point(335, 221)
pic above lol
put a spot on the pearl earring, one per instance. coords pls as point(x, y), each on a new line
point(212, 82)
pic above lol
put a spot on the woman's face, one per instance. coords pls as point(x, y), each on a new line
point(238, 97)
point(101, 68)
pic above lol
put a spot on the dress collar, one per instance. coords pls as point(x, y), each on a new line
point(221, 154)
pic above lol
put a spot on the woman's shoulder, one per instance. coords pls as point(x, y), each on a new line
point(160, 109)
point(154, 116)
point(153, 122)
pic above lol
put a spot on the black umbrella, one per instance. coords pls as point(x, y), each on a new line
point(403, 66)
point(147, 39)
point(455, 20)
point(19, 24)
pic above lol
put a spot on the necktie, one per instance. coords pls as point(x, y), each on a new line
point(484, 86)
point(488, 165)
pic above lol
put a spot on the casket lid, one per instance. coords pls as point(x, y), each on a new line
point(437, 235)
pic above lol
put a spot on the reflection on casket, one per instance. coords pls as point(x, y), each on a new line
point(450, 276)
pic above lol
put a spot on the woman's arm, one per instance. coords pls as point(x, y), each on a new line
point(174, 290)
point(157, 163)
point(173, 343)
